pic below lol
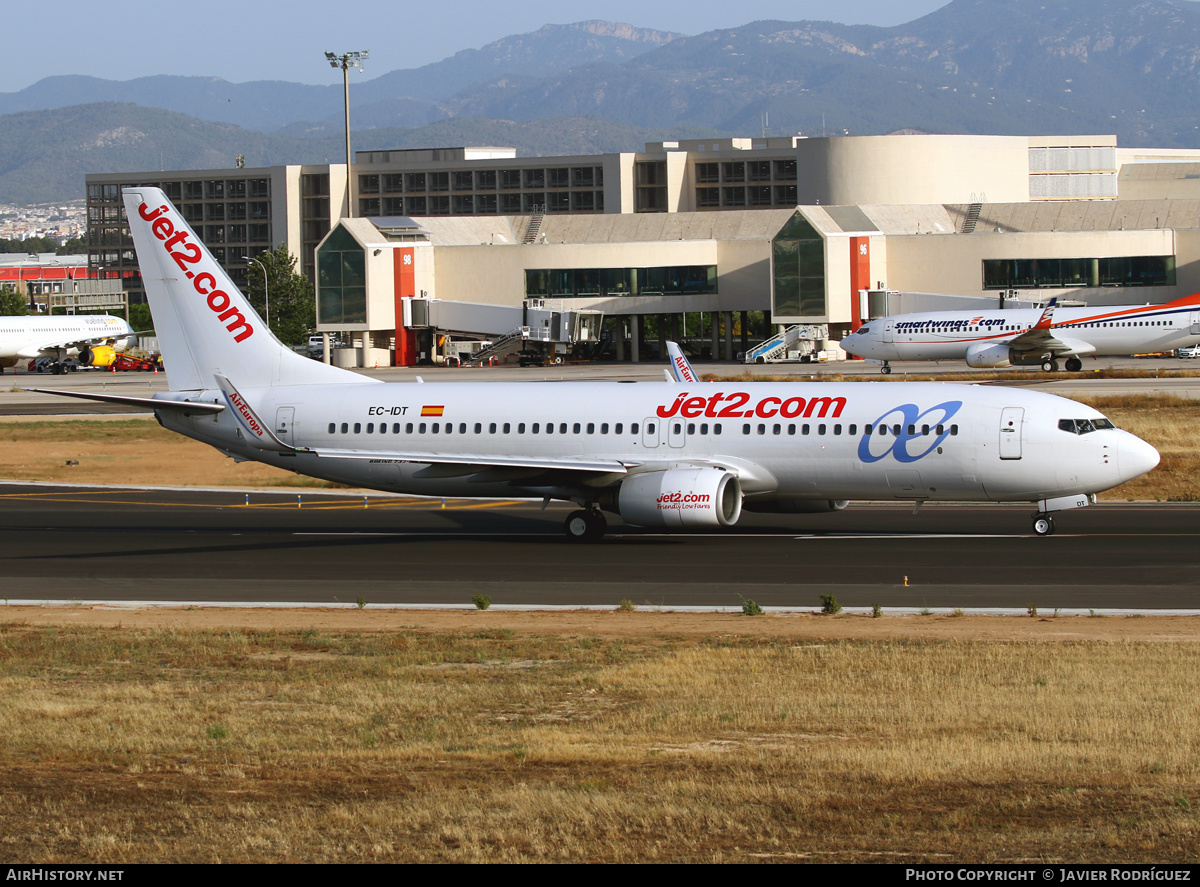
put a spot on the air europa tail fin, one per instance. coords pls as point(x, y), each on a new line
point(206, 327)
point(681, 369)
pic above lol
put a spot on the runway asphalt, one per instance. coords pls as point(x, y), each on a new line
point(59, 544)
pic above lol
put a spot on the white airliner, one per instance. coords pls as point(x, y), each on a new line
point(93, 339)
point(994, 338)
point(683, 454)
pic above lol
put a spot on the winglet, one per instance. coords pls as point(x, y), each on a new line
point(680, 368)
point(1047, 318)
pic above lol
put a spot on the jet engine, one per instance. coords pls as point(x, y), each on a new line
point(681, 497)
point(97, 356)
point(989, 357)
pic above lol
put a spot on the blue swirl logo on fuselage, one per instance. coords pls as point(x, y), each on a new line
point(901, 444)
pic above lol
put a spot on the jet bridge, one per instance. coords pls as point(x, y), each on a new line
point(538, 329)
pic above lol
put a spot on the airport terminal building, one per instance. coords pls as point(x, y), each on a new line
point(475, 241)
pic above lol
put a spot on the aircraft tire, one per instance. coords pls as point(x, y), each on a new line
point(585, 526)
point(885, 369)
point(1043, 525)
point(1050, 365)
point(1074, 364)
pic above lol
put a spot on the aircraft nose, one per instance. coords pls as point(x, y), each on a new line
point(1135, 457)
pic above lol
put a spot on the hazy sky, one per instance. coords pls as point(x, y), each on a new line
point(241, 41)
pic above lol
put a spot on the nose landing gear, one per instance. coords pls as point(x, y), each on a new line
point(885, 369)
point(1043, 524)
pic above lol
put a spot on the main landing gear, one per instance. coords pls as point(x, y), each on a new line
point(1043, 524)
point(1050, 365)
point(585, 525)
point(1073, 364)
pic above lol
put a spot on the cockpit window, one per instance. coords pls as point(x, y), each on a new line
point(864, 330)
point(1084, 426)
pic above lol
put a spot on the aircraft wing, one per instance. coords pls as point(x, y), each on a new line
point(37, 350)
point(466, 463)
point(1040, 338)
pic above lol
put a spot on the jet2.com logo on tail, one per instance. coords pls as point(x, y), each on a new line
point(903, 438)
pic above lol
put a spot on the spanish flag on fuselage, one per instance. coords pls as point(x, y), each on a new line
point(432, 411)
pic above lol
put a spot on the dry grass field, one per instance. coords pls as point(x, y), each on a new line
point(640, 737)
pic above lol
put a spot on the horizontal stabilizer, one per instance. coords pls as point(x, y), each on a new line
point(149, 403)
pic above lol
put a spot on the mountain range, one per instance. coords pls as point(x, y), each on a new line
point(1035, 67)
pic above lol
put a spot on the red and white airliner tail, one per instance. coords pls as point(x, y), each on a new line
point(205, 325)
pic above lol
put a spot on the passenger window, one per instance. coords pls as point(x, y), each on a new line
point(370, 428)
point(867, 430)
point(506, 427)
point(462, 428)
point(591, 428)
point(604, 428)
point(762, 429)
point(562, 428)
point(408, 428)
point(953, 430)
point(717, 428)
point(745, 429)
point(650, 428)
point(691, 427)
point(853, 430)
point(479, 428)
point(358, 428)
point(776, 429)
point(941, 429)
point(492, 428)
point(821, 429)
point(704, 428)
point(837, 429)
point(574, 428)
point(332, 427)
point(633, 428)
point(421, 428)
point(804, 429)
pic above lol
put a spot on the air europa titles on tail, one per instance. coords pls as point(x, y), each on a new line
point(680, 454)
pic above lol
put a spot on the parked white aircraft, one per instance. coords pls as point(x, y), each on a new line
point(993, 338)
point(660, 455)
point(93, 339)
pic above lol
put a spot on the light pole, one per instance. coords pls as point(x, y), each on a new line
point(266, 292)
point(346, 61)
